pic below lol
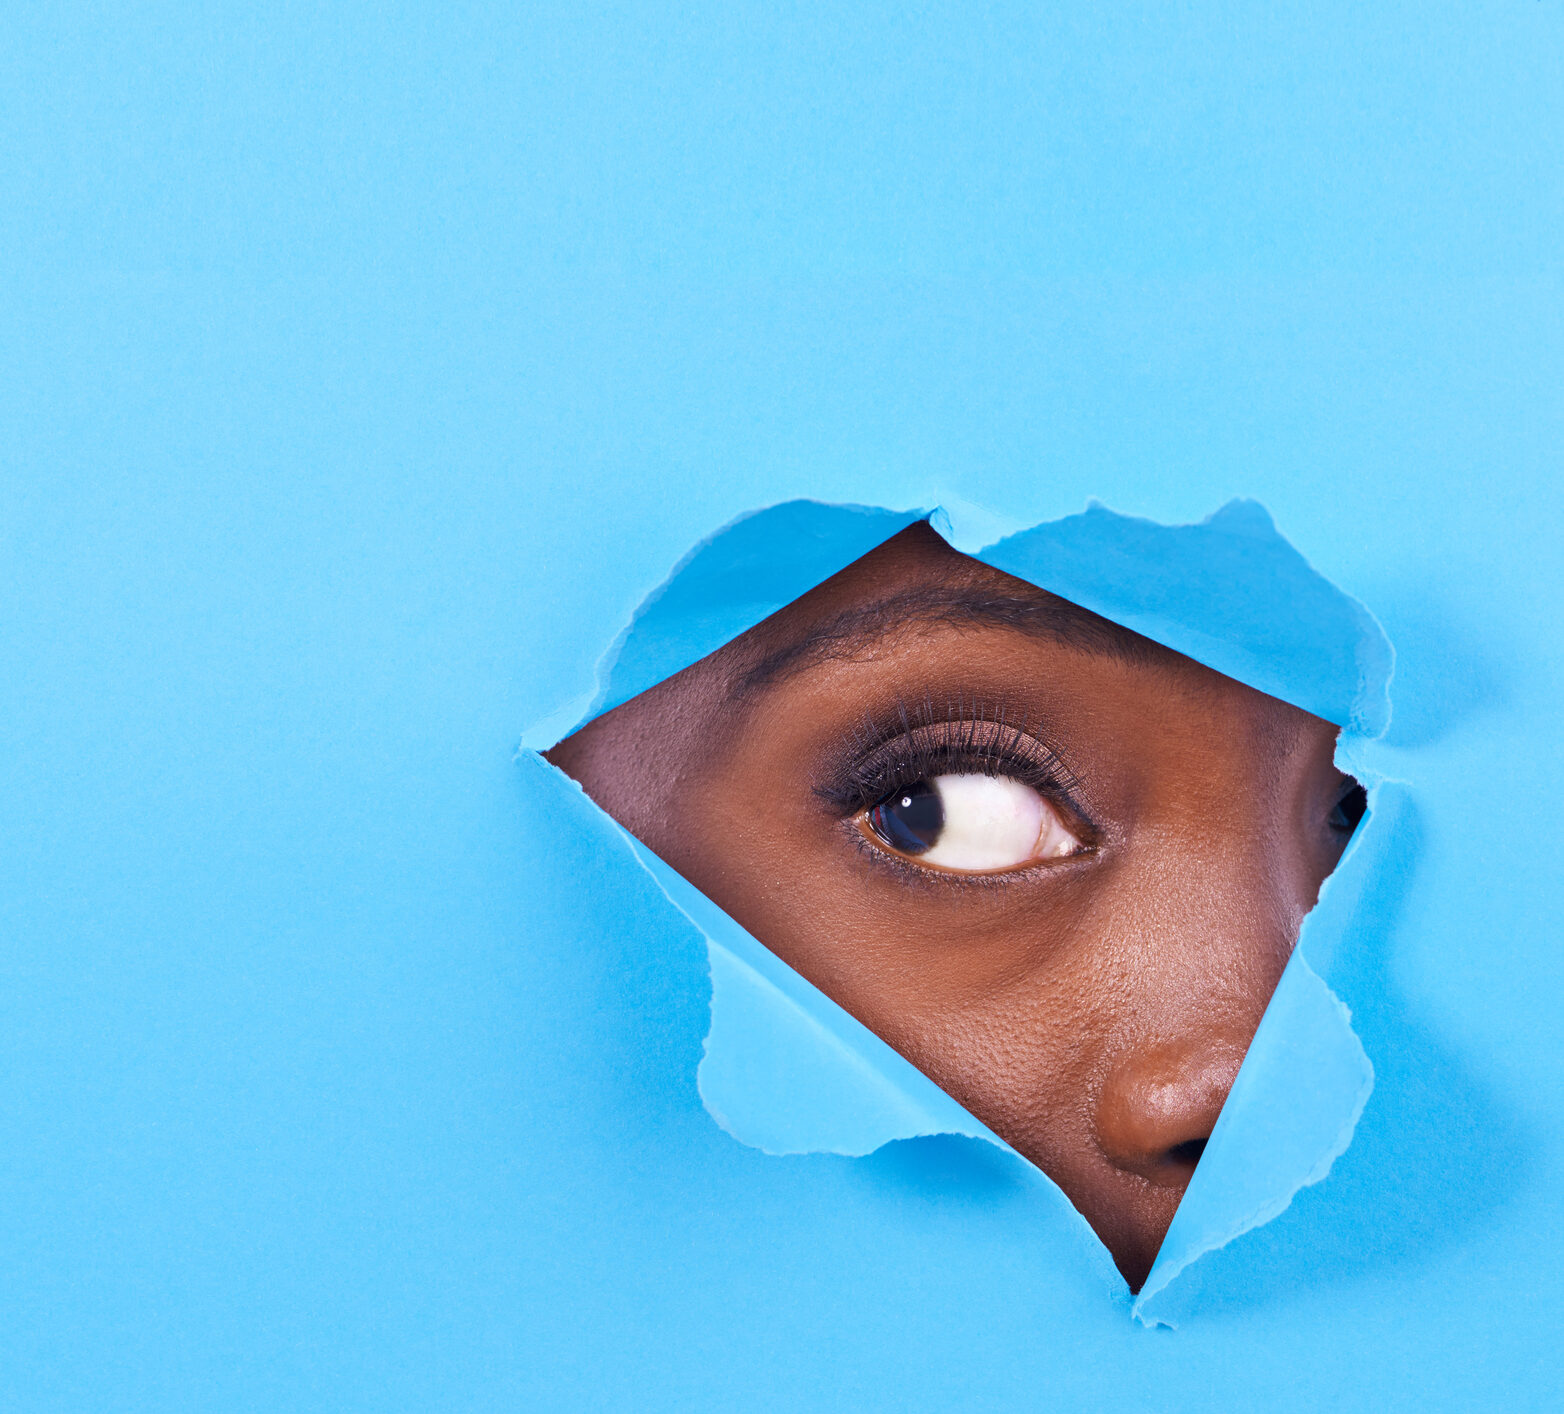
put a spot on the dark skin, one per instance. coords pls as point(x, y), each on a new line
point(1078, 939)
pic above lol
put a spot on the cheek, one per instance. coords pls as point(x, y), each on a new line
point(1006, 1006)
point(1026, 1058)
point(944, 973)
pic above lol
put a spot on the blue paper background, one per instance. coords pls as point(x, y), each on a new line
point(362, 370)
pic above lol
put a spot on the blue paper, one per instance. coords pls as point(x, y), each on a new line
point(366, 368)
point(786, 1070)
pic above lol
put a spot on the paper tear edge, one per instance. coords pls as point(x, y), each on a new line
point(1274, 1207)
point(1360, 730)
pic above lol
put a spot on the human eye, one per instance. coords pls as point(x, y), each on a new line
point(1350, 807)
point(960, 795)
point(971, 822)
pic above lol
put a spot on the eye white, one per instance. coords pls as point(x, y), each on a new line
point(994, 822)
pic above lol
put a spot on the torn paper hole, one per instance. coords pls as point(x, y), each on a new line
point(787, 1069)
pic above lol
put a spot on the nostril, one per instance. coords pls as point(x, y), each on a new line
point(1158, 1106)
point(1188, 1152)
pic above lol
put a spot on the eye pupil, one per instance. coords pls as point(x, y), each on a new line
point(910, 820)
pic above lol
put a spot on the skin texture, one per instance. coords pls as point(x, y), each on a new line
point(1091, 1009)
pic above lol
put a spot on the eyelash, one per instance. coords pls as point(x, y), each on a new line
point(918, 743)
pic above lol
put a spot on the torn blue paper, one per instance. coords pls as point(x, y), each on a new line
point(788, 1071)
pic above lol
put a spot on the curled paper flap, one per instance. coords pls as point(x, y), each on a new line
point(746, 571)
point(787, 1071)
point(1229, 592)
point(1289, 1116)
point(728, 583)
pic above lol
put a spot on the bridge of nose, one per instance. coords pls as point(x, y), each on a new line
point(1201, 932)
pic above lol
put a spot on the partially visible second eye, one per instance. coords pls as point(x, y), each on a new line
point(971, 823)
point(1350, 809)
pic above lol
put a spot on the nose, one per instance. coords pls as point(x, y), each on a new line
point(1160, 1103)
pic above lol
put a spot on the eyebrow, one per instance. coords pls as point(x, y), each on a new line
point(1041, 615)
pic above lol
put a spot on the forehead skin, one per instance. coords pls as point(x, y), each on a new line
point(1029, 997)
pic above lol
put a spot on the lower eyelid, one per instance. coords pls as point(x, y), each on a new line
point(904, 869)
point(934, 877)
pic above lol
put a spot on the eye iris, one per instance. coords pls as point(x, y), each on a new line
point(909, 819)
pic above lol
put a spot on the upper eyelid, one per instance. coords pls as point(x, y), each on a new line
point(941, 747)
